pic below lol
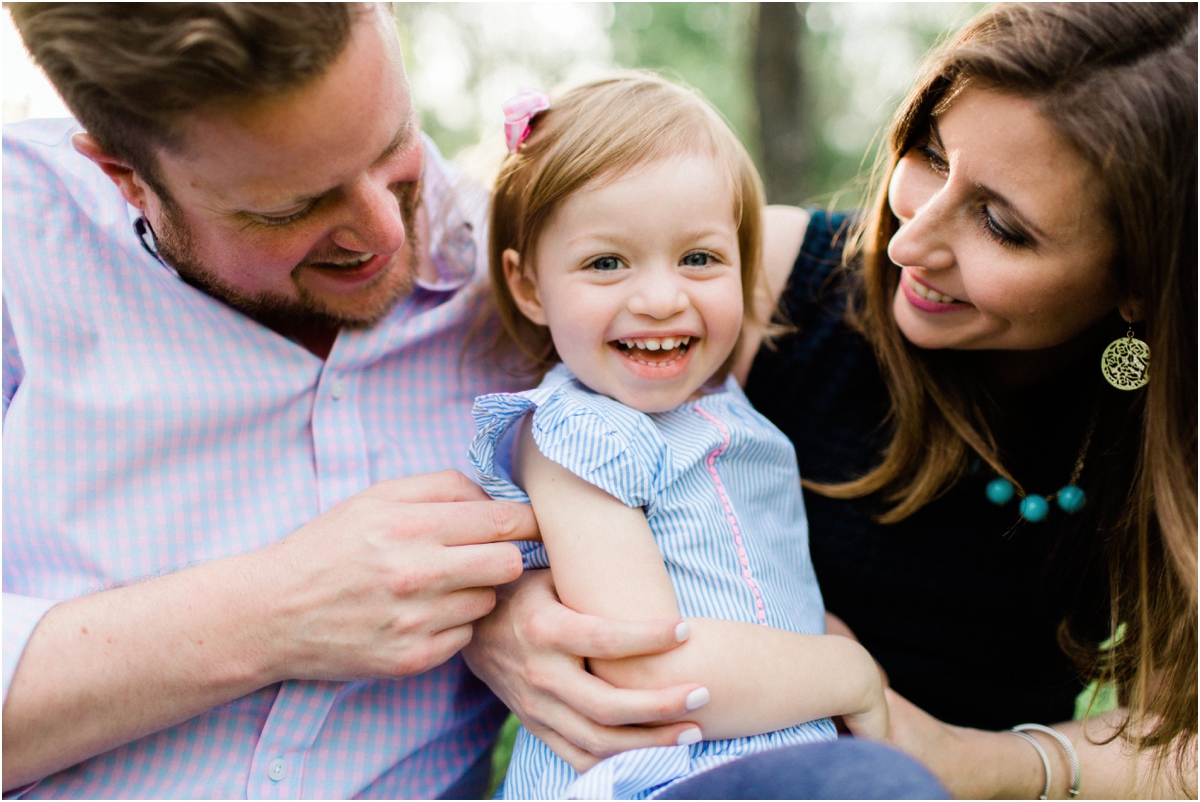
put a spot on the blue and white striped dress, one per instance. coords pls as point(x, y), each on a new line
point(721, 492)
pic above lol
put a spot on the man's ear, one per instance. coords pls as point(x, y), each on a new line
point(523, 286)
point(133, 188)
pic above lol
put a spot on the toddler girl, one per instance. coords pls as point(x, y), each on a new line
point(624, 253)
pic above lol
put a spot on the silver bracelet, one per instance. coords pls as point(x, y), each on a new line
point(1041, 753)
point(1068, 747)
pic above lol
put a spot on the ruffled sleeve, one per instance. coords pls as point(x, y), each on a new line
point(600, 440)
point(491, 452)
point(603, 442)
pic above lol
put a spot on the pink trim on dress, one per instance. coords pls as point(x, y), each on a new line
point(711, 462)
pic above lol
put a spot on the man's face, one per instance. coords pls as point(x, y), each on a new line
point(300, 209)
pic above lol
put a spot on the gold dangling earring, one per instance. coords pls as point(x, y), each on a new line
point(1126, 362)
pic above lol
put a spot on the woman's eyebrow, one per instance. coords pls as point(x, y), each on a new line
point(935, 136)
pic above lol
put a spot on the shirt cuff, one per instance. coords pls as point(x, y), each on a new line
point(21, 617)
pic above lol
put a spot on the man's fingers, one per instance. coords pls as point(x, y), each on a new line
point(430, 487)
point(463, 522)
point(480, 566)
point(431, 652)
point(461, 608)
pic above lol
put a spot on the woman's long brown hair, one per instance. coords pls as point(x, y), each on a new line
point(1118, 81)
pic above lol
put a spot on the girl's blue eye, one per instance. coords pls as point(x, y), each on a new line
point(699, 259)
point(606, 263)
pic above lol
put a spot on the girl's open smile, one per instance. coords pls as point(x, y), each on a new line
point(639, 281)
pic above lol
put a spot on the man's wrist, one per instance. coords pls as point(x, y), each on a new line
point(255, 620)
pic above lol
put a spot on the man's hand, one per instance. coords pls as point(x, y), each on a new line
point(387, 583)
point(531, 649)
point(384, 585)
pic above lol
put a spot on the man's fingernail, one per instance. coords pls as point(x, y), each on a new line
point(696, 699)
point(683, 631)
point(689, 737)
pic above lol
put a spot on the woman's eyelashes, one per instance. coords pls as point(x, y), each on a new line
point(996, 231)
point(934, 157)
point(991, 225)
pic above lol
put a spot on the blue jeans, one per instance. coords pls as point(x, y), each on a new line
point(843, 769)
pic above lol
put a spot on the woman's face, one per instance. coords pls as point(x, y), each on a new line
point(1003, 241)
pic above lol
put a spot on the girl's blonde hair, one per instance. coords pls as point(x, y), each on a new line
point(602, 130)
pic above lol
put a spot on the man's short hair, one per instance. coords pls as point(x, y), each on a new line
point(130, 71)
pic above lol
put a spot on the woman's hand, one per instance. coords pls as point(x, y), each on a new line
point(530, 651)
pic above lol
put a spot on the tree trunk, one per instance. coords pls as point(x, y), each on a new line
point(779, 89)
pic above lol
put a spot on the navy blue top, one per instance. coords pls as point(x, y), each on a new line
point(960, 603)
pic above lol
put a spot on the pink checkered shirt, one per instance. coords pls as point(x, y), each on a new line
point(149, 427)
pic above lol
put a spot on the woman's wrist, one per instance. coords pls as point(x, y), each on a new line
point(1001, 765)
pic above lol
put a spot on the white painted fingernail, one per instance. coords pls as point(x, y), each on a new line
point(689, 737)
point(696, 699)
point(683, 631)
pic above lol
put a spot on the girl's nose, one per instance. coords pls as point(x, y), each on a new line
point(373, 222)
point(659, 294)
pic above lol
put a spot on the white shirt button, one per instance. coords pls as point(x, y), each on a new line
point(277, 769)
point(337, 389)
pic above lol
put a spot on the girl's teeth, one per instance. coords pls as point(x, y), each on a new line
point(656, 344)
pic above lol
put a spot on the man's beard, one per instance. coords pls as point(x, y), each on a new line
point(307, 310)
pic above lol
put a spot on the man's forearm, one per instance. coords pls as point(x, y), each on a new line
point(384, 585)
point(106, 669)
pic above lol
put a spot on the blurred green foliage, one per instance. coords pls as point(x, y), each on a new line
point(705, 45)
point(857, 61)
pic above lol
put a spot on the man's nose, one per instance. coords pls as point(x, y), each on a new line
point(659, 294)
point(373, 222)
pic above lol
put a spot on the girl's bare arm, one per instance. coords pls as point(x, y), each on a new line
point(605, 562)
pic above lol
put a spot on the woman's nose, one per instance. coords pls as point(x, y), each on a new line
point(923, 208)
point(659, 294)
point(374, 222)
point(918, 244)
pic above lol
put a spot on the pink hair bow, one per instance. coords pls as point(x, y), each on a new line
point(518, 111)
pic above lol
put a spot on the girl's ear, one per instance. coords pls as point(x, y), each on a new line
point(522, 283)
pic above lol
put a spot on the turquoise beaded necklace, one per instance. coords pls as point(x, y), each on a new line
point(1034, 508)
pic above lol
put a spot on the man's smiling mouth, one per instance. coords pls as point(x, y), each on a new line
point(655, 351)
point(345, 264)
